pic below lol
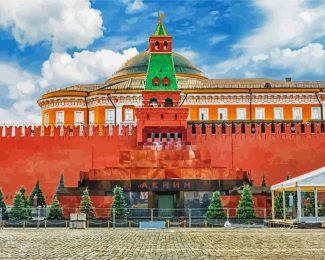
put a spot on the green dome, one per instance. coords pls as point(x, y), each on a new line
point(139, 64)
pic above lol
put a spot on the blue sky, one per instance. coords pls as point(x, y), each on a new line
point(57, 43)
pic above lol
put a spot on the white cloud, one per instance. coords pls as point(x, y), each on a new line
point(260, 57)
point(124, 42)
point(133, 6)
point(61, 69)
point(20, 105)
point(308, 60)
point(188, 53)
point(63, 23)
point(21, 113)
point(136, 6)
point(288, 41)
point(217, 38)
point(19, 82)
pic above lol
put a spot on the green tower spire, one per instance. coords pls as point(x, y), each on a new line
point(161, 72)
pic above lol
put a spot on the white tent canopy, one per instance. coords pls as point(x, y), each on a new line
point(300, 197)
point(315, 178)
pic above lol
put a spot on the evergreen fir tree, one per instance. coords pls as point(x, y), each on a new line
point(56, 211)
point(119, 204)
point(3, 207)
point(86, 205)
point(61, 182)
point(40, 197)
point(263, 182)
point(20, 209)
point(216, 209)
point(22, 191)
point(278, 206)
point(245, 208)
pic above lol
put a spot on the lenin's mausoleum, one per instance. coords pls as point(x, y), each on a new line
point(168, 135)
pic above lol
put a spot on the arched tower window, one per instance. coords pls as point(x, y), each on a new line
point(157, 46)
point(165, 45)
point(168, 102)
point(156, 81)
point(153, 102)
point(166, 82)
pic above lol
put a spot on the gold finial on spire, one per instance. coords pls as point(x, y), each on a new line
point(160, 17)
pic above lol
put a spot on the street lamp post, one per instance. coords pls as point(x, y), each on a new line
point(35, 201)
point(38, 215)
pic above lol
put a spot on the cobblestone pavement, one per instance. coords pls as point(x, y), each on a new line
point(233, 243)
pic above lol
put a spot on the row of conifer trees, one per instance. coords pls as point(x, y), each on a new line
point(21, 209)
point(22, 206)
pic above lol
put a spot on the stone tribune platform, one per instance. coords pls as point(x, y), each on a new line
point(162, 244)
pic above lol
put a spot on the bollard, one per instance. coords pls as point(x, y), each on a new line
point(66, 224)
point(190, 218)
point(87, 223)
point(129, 223)
point(113, 217)
point(45, 223)
point(107, 223)
point(205, 223)
point(151, 214)
point(23, 224)
point(167, 223)
point(184, 223)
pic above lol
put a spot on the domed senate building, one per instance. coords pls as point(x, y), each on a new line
point(219, 100)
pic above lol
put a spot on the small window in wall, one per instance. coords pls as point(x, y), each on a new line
point(204, 114)
point(165, 45)
point(46, 119)
point(78, 117)
point(156, 81)
point(315, 113)
point(128, 116)
point(241, 113)
point(193, 129)
point(109, 116)
point(283, 129)
point(92, 117)
point(166, 82)
point(243, 129)
point(223, 128)
point(259, 113)
point(203, 129)
point(157, 46)
point(312, 128)
point(302, 128)
point(222, 114)
point(297, 113)
point(278, 113)
point(253, 128)
point(59, 118)
point(213, 129)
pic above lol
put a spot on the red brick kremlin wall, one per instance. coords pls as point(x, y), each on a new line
point(24, 159)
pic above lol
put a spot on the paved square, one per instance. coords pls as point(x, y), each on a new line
point(133, 243)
